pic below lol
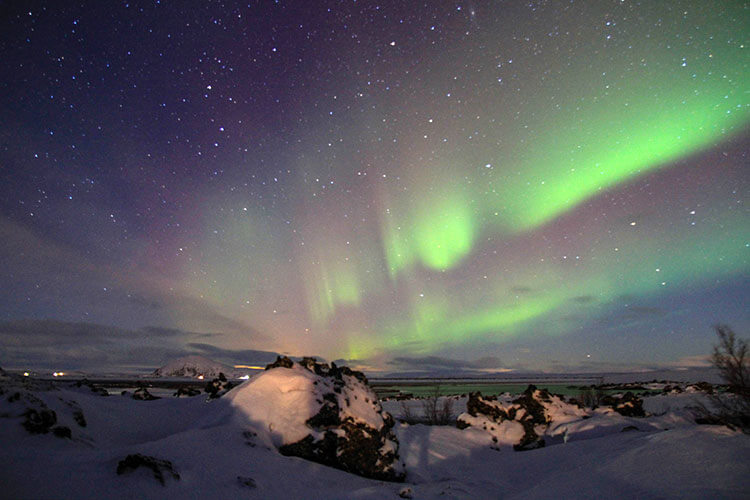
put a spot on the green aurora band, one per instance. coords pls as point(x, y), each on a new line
point(384, 279)
point(648, 119)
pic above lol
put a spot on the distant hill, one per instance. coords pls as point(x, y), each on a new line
point(195, 366)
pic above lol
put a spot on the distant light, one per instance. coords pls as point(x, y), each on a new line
point(245, 377)
point(200, 377)
point(25, 374)
point(58, 374)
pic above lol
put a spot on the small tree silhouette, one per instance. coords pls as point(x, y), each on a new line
point(730, 358)
point(436, 413)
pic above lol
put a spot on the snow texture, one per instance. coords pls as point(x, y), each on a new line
point(217, 453)
point(323, 413)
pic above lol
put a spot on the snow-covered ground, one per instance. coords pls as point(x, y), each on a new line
point(218, 453)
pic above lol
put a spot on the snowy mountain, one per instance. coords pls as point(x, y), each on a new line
point(194, 367)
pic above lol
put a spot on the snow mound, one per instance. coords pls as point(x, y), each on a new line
point(20, 402)
point(520, 421)
point(194, 367)
point(322, 413)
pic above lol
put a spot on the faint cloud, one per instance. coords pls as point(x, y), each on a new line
point(698, 361)
point(46, 343)
point(234, 356)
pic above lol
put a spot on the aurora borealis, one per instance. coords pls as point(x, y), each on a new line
point(550, 185)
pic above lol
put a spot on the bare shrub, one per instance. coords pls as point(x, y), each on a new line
point(437, 410)
point(591, 397)
point(406, 412)
point(730, 357)
point(445, 413)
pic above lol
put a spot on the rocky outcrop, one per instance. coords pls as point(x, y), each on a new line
point(338, 420)
point(187, 392)
point(701, 387)
point(627, 405)
point(142, 394)
point(520, 421)
point(38, 418)
point(219, 386)
point(39, 421)
point(160, 468)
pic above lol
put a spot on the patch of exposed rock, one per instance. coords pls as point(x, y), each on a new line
point(142, 394)
point(219, 386)
point(627, 405)
point(520, 421)
point(160, 468)
point(187, 392)
point(37, 417)
point(323, 413)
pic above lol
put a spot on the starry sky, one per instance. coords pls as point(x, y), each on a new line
point(532, 185)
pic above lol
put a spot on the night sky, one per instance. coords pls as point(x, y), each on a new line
point(489, 185)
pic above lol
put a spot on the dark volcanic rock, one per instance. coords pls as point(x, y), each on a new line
point(281, 362)
point(348, 428)
point(628, 405)
point(219, 386)
point(477, 405)
point(79, 418)
point(39, 421)
point(62, 431)
point(142, 394)
point(38, 418)
point(530, 411)
point(406, 493)
point(702, 387)
point(158, 466)
point(186, 392)
point(245, 481)
point(533, 416)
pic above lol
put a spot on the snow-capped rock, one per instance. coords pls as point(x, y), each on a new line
point(187, 392)
point(219, 386)
point(142, 394)
point(194, 367)
point(628, 405)
point(36, 416)
point(322, 413)
point(521, 421)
